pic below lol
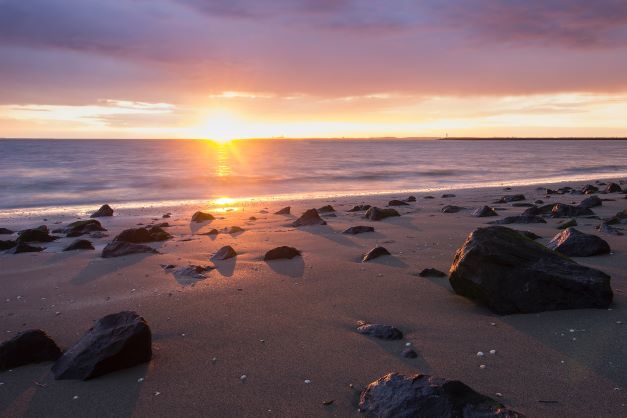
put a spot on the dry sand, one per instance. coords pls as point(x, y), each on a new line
point(285, 322)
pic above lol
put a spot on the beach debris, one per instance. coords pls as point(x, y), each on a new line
point(374, 253)
point(326, 209)
point(431, 272)
point(359, 208)
point(115, 342)
point(511, 198)
point(78, 228)
point(380, 331)
point(224, 253)
point(409, 353)
point(359, 229)
point(480, 354)
point(482, 366)
point(307, 381)
point(119, 248)
point(568, 224)
point(451, 209)
point(202, 217)
point(484, 212)
point(574, 243)
point(32, 346)
point(493, 352)
point(283, 252)
point(309, 217)
point(418, 395)
point(285, 211)
point(520, 219)
point(507, 272)
point(590, 202)
point(5, 231)
point(24, 248)
point(397, 203)
point(39, 234)
point(142, 235)
point(80, 244)
point(377, 214)
point(613, 188)
point(105, 210)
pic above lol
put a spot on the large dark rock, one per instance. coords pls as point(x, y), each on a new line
point(613, 188)
point(521, 219)
point(589, 189)
point(224, 253)
point(484, 212)
point(374, 253)
point(396, 202)
point(80, 244)
point(359, 229)
point(310, 217)
point(359, 208)
point(445, 196)
point(376, 214)
point(591, 202)
point(6, 244)
point(500, 268)
point(326, 209)
point(5, 231)
point(105, 210)
point(39, 234)
point(399, 395)
point(202, 217)
point(121, 248)
point(283, 252)
point(511, 198)
point(383, 332)
point(115, 342)
point(22, 247)
point(32, 346)
point(452, 209)
point(143, 235)
point(285, 211)
point(574, 243)
point(78, 228)
point(562, 210)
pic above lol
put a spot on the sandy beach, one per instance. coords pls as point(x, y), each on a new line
point(289, 325)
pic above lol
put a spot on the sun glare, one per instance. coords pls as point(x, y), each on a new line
point(221, 126)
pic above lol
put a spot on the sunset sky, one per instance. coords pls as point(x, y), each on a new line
point(312, 68)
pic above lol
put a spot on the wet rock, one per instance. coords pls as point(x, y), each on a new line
point(446, 196)
point(613, 188)
point(374, 253)
point(235, 230)
point(562, 210)
point(39, 234)
point(117, 341)
point(509, 273)
point(380, 331)
point(310, 217)
point(567, 224)
point(143, 235)
point(359, 208)
point(80, 244)
point(574, 243)
point(359, 229)
point(590, 202)
point(78, 228)
point(6, 244)
point(522, 219)
point(105, 210)
point(326, 209)
point(397, 203)
point(285, 211)
point(5, 231)
point(22, 247)
point(409, 353)
point(589, 189)
point(484, 212)
point(202, 217)
point(224, 253)
point(452, 209)
point(610, 230)
point(377, 214)
point(410, 199)
point(122, 248)
point(431, 272)
point(32, 346)
point(283, 252)
point(511, 198)
point(212, 231)
point(399, 395)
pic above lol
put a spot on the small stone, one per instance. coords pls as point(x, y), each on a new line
point(307, 381)
point(493, 352)
point(480, 354)
point(482, 366)
point(409, 353)
point(375, 253)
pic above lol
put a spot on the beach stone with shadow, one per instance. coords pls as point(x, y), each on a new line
point(39, 234)
point(359, 229)
point(143, 235)
point(80, 244)
point(326, 209)
point(122, 248)
point(105, 210)
point(451, 209)
point(431, 272)
point(193, 272)
point(5, 231)
point(285, 211)
point(589, 189)
point(538, 210)
point(610, 230)
point(484, 212)
point(310, 217)
point(397, 203)
point(375, 253)
point(212, 231)
point(202, 217)
point(591, 202)
point(562, 210)
point(6, 244)
point(613, 188)
point(22, 247)
point(619, 218)
point(27, 347)
point(235, 230)
point(380, 331)
point(511, 198)
point(574, 243)
point(409, 353)
point(509, 273)
point(224, 253)
point(283, 252)
point(520, 219)
point(115, 342)
point(418, 395)
point(444, 196)
point(359, 208)
point(78, 228)
point(410, 199)
point(377, 214)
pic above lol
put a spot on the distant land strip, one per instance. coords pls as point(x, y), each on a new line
point(463, 138)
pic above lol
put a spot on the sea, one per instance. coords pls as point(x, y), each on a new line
point(62, 173)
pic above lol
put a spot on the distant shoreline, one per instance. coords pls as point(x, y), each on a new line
point(533, 139)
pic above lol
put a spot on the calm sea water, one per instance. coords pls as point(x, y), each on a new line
point(41, 173)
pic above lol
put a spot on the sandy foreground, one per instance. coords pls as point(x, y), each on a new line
point(285, 322)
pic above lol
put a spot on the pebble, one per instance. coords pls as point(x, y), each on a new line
point(499, 394)
point(157, 393)
point(141, 379)
point(307, 381)
point(408, 344)
point(492, 352)
point(243, 378)
point(480, 354)
point(482, 366)
point(75, 397)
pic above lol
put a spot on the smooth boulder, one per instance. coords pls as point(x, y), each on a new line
point(484, 212)
point(78, 228)
point(105, 210)
point(122, 248)
point(202, 217)
point(32, 346)
point(310, 217)
point(224, 253)
point(377, 214)
point(80, 244)
point(359, 229)
point(509, 273)
point(380, 331)
point(143, 235)
point(375, 253)
point(574, 243)
point(283, 252)
point(396, 202)
point(39, 234)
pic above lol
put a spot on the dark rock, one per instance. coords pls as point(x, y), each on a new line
point(115, 342)
point(39, 234)
point(166, 216)
point(213, 231)
point(500, 268)
point(6, 244)
point(610, 230)
point(360, 229)
point(446, 195)
point(574, 243)
point(452, 209)
point(538, 210)
point(539, 202)
point(589, 189)
point(529, 234)
point(285, 211)
point(399, 395)
point(619, 218)
point(549, 191)
point(24, 248)
point(80, 244)
point(283, 252)
point(484, 212)
point(567, 224)
point(431, 197)
point(224, 253)
point(397, 203)
point(78, 228)
point(310, 217)
point(202, 217)
point(431, 272)
point(409, 353)
point(191, 272)
point(613, 188)
point(121, 248)
point(329, 215)
point(105, 210)
point(562, 210)
point(377, 214)
point(142, 235)
point(523, 205)
point(511, 198)
point(359, 208)
point(411, 199)
point(374, 253)
point(32, 346)
point(235, 230)
point(382, 332)
point(4, 231)
point(590, 202)
point(252, 218)
point(326, 209)
point(522, 219)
